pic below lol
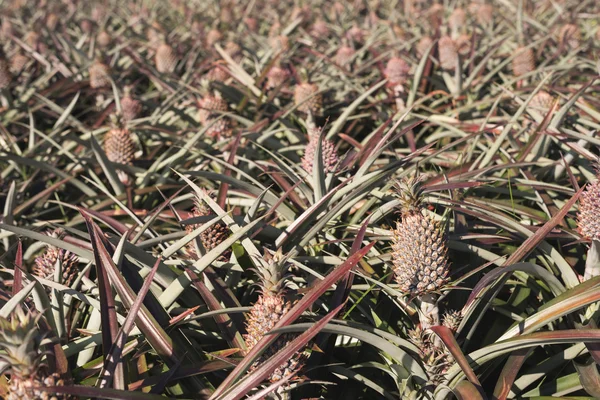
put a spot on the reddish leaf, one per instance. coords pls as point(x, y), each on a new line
point(18, 277)
point(509, 373)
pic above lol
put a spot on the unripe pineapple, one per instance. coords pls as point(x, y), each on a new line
point(211, 237)
point(330, 157)
point(436, 358)
point(419, 252)
point(251, 24)
point(217, 73)
point(165, 58)
point(484, 13)
point(45, 264)
point(32, 39)
point(86, 25)
point(452, 320)
point(276, 77)
point(103, 39)
point(435, 14)
point(120, 148)
point(396, 71)
point(320, 29)
point(307, 99)
point(5, 75)
point(463, 44)
point(356, 35)
point(213, 36)
point(457, 19)
point(18, 62)
point(542, 101)
point(21, 358)
point(207, 115)
point(523, 63)
point(588, 221)
point(448, 53)
point(131, 107)
point(279, 43)
point(344, 56)
point(99, 75)
point(569, 36)
point(234, 51)
point(271, 306)
point(423, 45)
point(52, 21)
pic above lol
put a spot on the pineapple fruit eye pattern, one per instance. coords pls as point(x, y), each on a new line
point(299, 199)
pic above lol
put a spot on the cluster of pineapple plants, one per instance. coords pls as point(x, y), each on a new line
point(299, 199)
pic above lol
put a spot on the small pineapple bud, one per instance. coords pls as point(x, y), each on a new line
point(307, 99)
point(320, 29)
point(435, 358)
point(523, 63)
point(233, 50)
point(569, 36)
point(463, 44)
point(52, 21)
point(457, 19)
point(396, 71)
point(588, 221)
point(165, 58)
point(419, 252)
point(120, 148)
point(211, 237)
point(5, 75)
point(86, 25)
point(279, 43)
point(7, 29)
point(131, 107)
point(99, 75)
point(271, 306)
point(452, 320)
point(435, 13)
point(103, 39)
point(423, 45)
point(344, 56)
point(251, 24)
point(448, 53)
point(276, 77)
point(484, 13)
point(217, 73)
point(45, 264)
point(18, 63)
point(32, 39)
point(542, 101)
point(212, 37)
point(330, 157)
point(356, 35)
point(207, 115)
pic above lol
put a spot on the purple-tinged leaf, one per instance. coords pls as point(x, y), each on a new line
point(114, 356)
point(446, 335)
point(266, 368)
point(182, 372)
point(509, 373)
point(18, 277)
point(108, 314)
point(465, 390)
point(104, 393)
point(317, 290)
point(589, 377)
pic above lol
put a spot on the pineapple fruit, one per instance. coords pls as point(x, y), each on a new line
point(588, 224)
point(120, 148)
point(271, 306)
point(211, 237)
point(222, 128)
point(307, 99)
point(329, 154)
point(45, 265)
point(22, 359)
point(419, 252)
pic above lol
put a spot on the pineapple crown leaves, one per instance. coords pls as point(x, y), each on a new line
point(410, 193)
point(21, 339)
point(273, 277)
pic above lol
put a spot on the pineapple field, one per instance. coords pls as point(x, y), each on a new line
point(299, 199)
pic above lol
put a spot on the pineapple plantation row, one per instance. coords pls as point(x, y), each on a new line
point(299, 199)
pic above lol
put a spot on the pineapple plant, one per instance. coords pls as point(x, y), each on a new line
point(165, 58)
point(23, 359)
point(45, 265)
point(448, 53)
point(307, 99)
point(211, 237)
point(99, 75)
point(524, 61)
point(120, 148)
point(272, 304)
point(329, 153)
point(130, 107)
point(220, 128)
point(419, 251)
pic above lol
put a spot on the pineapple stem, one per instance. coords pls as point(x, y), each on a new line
point(592, 263)
point(429, 314)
